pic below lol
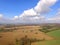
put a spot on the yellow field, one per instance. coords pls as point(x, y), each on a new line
point(31, 32)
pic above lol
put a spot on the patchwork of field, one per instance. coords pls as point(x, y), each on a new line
point(32, 32)
point(56, 41)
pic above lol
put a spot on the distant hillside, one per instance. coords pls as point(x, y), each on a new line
point(21, 24)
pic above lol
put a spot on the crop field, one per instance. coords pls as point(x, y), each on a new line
point(56, 41)
point(34, 34)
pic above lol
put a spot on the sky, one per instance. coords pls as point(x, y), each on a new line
point(11, 8)
point(29, 11)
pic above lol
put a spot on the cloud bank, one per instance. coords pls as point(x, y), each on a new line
point(35, 14)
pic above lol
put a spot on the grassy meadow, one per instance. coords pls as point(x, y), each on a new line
point(56, 41)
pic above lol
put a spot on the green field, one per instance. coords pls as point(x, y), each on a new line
point(56, 41)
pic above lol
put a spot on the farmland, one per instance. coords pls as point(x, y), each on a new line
point(13, 35)
point(56, 41)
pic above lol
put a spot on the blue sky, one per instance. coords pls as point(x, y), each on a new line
point(23, 10)
point(11, 8)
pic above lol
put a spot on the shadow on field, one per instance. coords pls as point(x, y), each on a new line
point(26, 41)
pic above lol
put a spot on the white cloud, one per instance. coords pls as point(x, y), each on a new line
point(1, 16)
point(49, 2)
point(30, 15)
point(43, 6)
point(34, 15)
point(15, 18)
point(29, 12)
